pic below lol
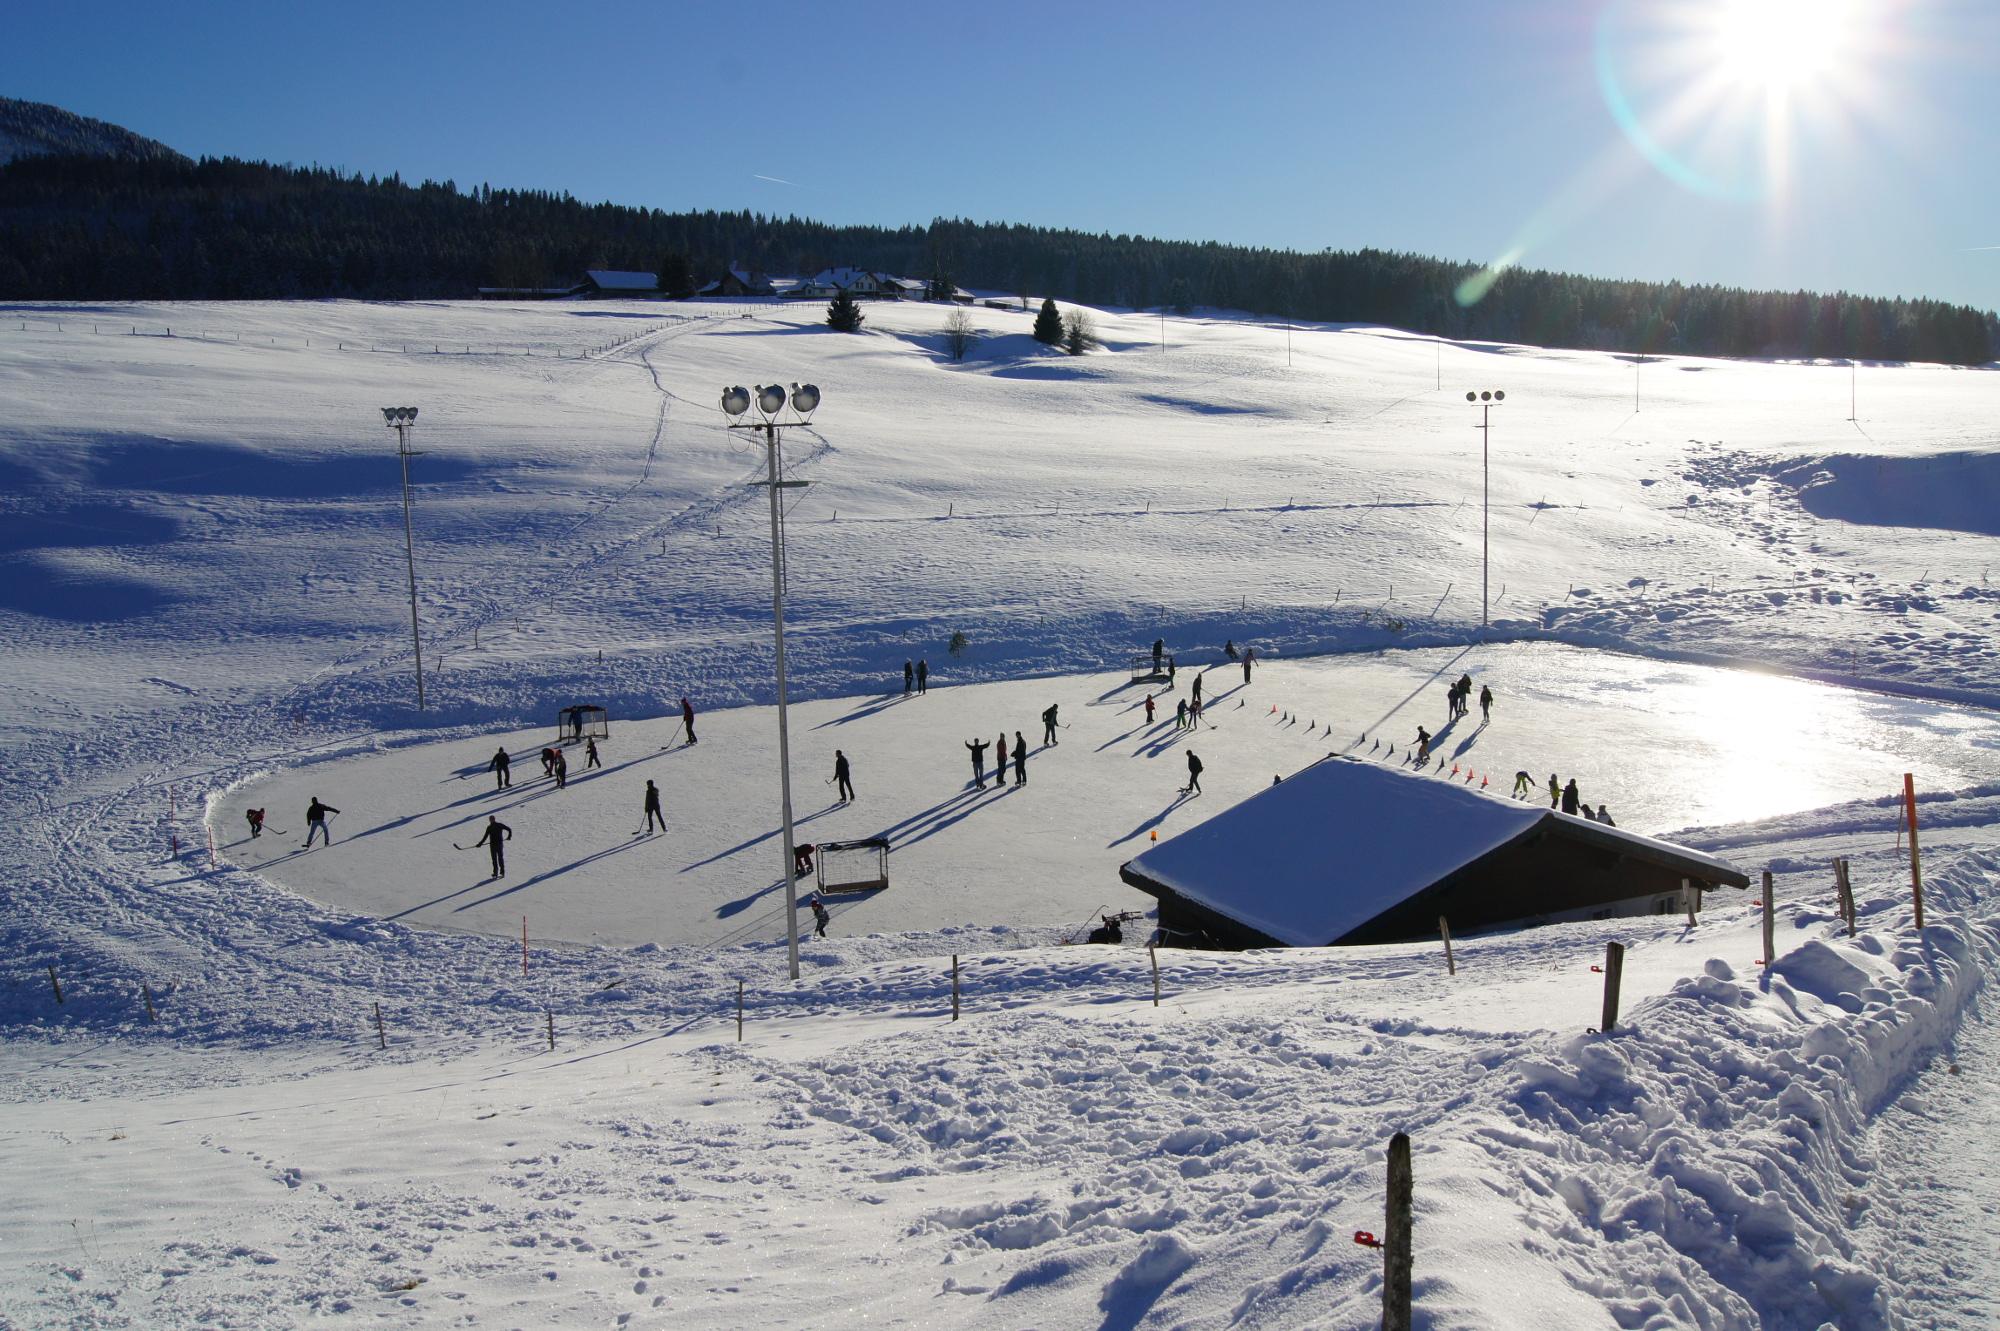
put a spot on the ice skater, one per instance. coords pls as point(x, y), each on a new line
point(802, 859)
point(1423, 745)
point(653, 809)
point(1523, 784)
point(1149, 709)
point(496, 836)
point(1049, 726)
point(1555, 791)
point(1249, 659)
point(842, 776)
point(1180, 714)
point(909, 678)
point(562, 771)
point(820, 918)
point(1485, 703)
point(316, 822)
point(687, 719)
point(1020, 760)
point(590, 758)
point(978, 750)
point(1159, 652)
point(1194, 775)
point(255, 817)
point(1569, 797)
point(1196, 690)
point(1000, 759)
point(923, 676)
point(1464, 694)
point(548, 762)
point(502, 768)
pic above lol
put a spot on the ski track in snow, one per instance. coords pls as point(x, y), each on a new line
point(1065, 1156)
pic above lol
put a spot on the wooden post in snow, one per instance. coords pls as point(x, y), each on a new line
point(1396, 1237)
point(550, 1014)
point(1916, 866)
point(1153, 954)
point(381, 1036)
point(146, 990)
point(1770, 948)
point(1614, 970)
point(1843, 887)
point(55, 984)
point(739, 1012)
point(1444, 929)
point(524, 945)
point(1687, 899)
point(954, 986)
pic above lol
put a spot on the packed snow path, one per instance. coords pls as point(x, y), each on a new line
point(1667, 746)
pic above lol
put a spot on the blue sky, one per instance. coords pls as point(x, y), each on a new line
point(1465, 130)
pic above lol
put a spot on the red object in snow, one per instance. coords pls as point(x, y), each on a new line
point(1366, 1240)
point(1596, 970)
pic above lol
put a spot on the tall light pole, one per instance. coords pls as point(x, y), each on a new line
point(402, 420)
point(1486, 398)
point(770, 402)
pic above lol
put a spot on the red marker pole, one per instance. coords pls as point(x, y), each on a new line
point(1916, 866)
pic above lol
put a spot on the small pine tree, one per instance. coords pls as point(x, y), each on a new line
point(958, 644)
point(1049, 323)
point(1078, 335)
point(843, 315)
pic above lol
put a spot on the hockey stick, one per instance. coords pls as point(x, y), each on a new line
point(678, 731)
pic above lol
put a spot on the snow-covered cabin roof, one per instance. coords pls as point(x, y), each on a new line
point(829, 279)
point(611, 279)
point(1345, 842)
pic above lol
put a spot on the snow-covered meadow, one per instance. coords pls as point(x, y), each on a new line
point(204, 600)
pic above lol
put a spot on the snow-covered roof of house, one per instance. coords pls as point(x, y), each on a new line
point(611, 279)
point(1311, 860)
point(843, 277)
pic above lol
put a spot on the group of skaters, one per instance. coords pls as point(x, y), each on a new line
point(1563, 796)
point(916, 678)
point(317, 813)
point(1458, 700)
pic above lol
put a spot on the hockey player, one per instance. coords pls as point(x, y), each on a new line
point(977, 747)
point(502, 768)
point(653, 809)
point(496, 836)
point(1049, 726)
point(255, 817)
point(1020, 760)
point(316, 821)
point(590, 758)
point(1000, 759)
point(842, 776)
point(1194, 774)
point(687, 719)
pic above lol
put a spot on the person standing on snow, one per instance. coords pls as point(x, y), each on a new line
point(1423, 744)
point(978, 750)
point(687, 718)
point(1159, 650)
point(1149, 709)
point(1194, 774)
point(502, 768)
point(1196, 690)
point(1464, 694)
point(1569, 797)
point(316, 821)
point(820, 917)
point(562, 770)
point(653, 809)
point(256, 820)
point(909, 677)
point(497, 835)
point(1020, 760)
point(923, 676)
point(590, 758)
point(841, 777)
point(1180, 714)
point(1485, 703)
point(1450, 703)
point(1049, 726)
point(1555, 791)
point(1249, 659)
point(1000, 759)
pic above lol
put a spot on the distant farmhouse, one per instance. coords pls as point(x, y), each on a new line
point(1349, 851)
point(865, 284)
point(597, 282)
point(738, 281)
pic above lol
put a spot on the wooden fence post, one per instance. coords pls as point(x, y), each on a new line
point(550, 1014)
point(147, 990)
point(1396, 1241)
point(524, 945)
point(1444, 929)
point(954, 986)
point(381, 1036)
point(1843, 887)
point(1687, 899)
point(1916, 867)
point(1770, 947)
point(739, 1012)
point(55, 984)
point(1614, 970)
point(1153, 955)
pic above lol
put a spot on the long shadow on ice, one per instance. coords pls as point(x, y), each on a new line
point(1150, 823)
point(547, 874)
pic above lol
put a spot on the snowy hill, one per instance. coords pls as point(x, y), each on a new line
point(204, 602)
point(29, 129)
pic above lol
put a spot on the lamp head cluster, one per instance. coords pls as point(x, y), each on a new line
point(394, 417)
point(770, 400)
point(1497, 395)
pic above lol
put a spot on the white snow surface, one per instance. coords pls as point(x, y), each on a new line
point(202, 587)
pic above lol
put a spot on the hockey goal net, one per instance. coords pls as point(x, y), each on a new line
point(853, 866)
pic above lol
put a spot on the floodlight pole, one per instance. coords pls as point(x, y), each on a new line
point(400, 422)
point(769, 427)
point(1486, 400)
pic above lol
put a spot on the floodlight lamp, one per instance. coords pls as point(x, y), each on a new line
point(736, 401)
point(1471, 397)
point(1485, 396)
point(1499, 395)
point(805, 398)
point(770, 399)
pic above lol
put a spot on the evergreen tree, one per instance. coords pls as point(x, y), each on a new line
point(1049, 323)
point(676, 276)
point(843, 315)
point(941, 286)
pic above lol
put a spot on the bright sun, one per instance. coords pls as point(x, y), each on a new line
point(1779, 45)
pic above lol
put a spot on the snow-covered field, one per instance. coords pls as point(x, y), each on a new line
point(203, 592)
